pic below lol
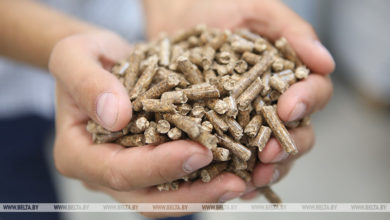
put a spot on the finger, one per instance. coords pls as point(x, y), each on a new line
point(274, 153)
point(222, 188)
point(132, 168)
point(305, 97)
point(249, 191)
point(77, 63)
point(278, 20)
point(117, 167)
point(251, 195)
point(268, 174)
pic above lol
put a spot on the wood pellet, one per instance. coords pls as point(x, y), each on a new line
point(216, 87)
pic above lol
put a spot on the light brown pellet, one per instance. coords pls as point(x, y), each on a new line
point(232, 106)
point(174, 133)
point(235, 148)
point(175, 97)
point(194, 41)
point(266, 86)
point(250, 94)
point(197, 111)
point(207, 126)
point(242, 45)
point(219, 106)
point(248, 77)
point(171, 186)
point(240, 66)
point(165, 51)
point(196, 56)
point(139, 125)
point(223, 57)
point(247, 34)
point(190, 71)
point(156, 91)
point(278, 84)
point(287, 51)
point(252, 128)
point(156, 105)
point(163, 126)
point(145, 78)
point(278, 129)
point(132, 72)
point(163, 73)
point(134, 140)
point(188, 126)
point(234, 128)
point(209, 75)
point(201, 93)
point(93, 127)
point(261, 138)
point(177, 51)
point(152, 136)
point(221, 154)
point(244, 116)
point(270, 195)
point(261, 45)
point(302, 72)
point(288, 76)
point(251, 58)
point(206, 139)
point(217, 121)
point(105, 138)
point(184, 109)
point(212, 170)
point(278, 64)
point(208, 57)
point(219, 40)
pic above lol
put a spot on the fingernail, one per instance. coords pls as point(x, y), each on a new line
point(195, 162)
point(323, 49)
point(281, 156)
point(298, 112)
point(249, 188)
point(275, 176)
point(107, 109)
point(229, 196)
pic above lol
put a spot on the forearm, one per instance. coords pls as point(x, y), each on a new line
point(29, 30)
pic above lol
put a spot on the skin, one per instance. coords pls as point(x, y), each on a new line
point(79, 55)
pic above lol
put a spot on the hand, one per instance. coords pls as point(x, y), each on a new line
point(271, 19)
point(85, 89)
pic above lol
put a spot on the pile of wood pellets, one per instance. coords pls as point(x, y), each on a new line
point(217, 87)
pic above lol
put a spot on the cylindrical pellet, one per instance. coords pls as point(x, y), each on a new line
point(211, 171)
point(261, 138)
point(235, 148)
point(278, 129)
point(156, 105)
point(252, 128)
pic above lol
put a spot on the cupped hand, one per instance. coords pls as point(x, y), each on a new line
point(86, 89)
point(273, 20)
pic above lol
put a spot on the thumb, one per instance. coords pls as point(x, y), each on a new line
point(280, 21)
point(77, 63)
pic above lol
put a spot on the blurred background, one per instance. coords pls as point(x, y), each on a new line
point(350, 161)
